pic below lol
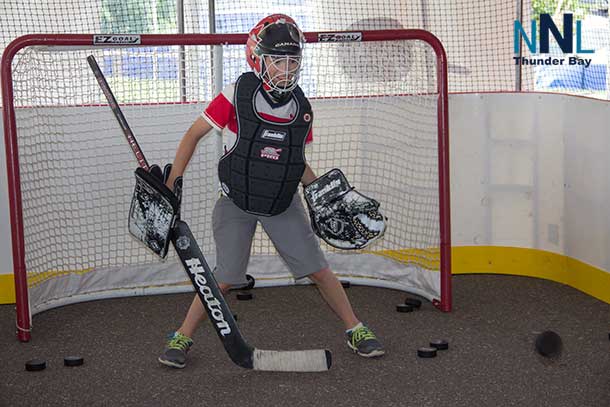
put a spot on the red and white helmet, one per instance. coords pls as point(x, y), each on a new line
point(274, 52)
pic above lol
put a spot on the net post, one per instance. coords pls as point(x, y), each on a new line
point(22, 305)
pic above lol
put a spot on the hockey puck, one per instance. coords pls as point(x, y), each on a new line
point(414, 302)
point(549, 344)
point(439, 344)
point(404, 308)
point(244, 296)
point(73, 361)
point(426, 352)
point(346, 284)
point(35, 365)
point(251, 282)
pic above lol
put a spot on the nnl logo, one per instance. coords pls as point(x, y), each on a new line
point(547, 25)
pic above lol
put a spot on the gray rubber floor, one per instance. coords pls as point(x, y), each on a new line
point(491, 360)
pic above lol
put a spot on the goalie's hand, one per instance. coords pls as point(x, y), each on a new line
point(340, 215)
point(176, 189)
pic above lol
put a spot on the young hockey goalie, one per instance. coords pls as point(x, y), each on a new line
point(265, 121)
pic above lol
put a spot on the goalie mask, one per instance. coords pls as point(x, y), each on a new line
point(274, 52)
point(342, 216)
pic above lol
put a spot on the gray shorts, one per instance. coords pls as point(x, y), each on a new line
point(290, 232)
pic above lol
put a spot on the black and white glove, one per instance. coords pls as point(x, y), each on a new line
point(154, 208)
point(340, 215)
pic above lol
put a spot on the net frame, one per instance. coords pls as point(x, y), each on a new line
point(87, 40)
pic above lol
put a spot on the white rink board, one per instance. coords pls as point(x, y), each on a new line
point(528, 170)
point(531, 171)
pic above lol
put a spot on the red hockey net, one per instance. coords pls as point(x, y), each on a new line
point(380, 104)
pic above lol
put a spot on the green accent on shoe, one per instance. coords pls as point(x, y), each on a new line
point(176, 349)
point(179, 341)
point(364, 342)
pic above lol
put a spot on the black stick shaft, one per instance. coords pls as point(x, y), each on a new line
point(135, 147)
point(207, 289)
point(192, 259)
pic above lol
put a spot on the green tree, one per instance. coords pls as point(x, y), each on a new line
point(138, 16)
point(166, 16)
point(552, 7)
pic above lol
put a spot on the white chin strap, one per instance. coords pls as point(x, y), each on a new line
point(286, 70)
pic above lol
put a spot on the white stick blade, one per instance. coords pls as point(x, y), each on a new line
point(292, 361)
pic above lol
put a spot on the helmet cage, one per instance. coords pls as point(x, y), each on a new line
point(280, 72)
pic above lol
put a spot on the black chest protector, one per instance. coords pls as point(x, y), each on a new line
point(261, 173)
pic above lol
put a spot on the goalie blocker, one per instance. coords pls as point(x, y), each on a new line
point(154, 208)
point(342, 216)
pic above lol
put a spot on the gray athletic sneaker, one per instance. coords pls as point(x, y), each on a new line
point(364, 342)
point(176, 349)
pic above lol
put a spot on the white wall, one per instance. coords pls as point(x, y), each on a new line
point(587, 181)
point(507, 170)
point(531, 170)
point(6, 257)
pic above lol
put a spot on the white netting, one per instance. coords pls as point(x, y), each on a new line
point(478, 36)
point(376, 118)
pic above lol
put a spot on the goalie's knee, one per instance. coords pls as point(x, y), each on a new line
point(321, 275)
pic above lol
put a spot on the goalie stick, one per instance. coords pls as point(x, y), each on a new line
point(198, 270)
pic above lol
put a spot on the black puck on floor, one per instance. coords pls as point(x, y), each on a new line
point(35, 365)
point(73, 361)
point(251, 282)
point(549, 344)
point(244, 296)
point(346, 284)
point(426, 352)
point(439, 344)
point(404, 308)
point(414, 302)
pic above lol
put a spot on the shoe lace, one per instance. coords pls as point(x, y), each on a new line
point(179, 341)
point(362, 334)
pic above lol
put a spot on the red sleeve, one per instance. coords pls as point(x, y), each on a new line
point(309, 137)
point(219, 112)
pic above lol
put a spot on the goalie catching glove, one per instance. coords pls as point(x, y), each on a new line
point(154, 208)
point(340, 215)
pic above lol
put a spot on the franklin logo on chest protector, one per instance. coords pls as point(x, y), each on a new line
point(274, 135)
point(273, 167)
point(271, 153)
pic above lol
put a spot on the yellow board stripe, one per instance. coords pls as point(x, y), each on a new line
point(426, 258)
point(532, 263)
point(7, 289)
point(465, 260)
point(36, 278)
